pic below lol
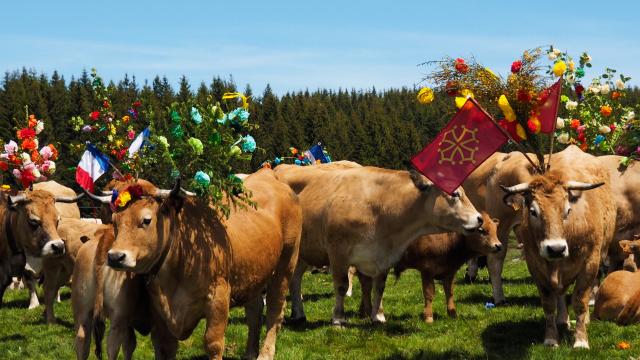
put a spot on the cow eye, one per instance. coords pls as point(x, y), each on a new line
point(482, 231)
point(34, 223)
point(146, 221)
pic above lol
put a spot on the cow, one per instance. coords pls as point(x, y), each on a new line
point(439, 256)
point(618, 299)
point(28, 222)
point(100, 292)
point(632, 250)
point(198, 264)
point(567, 221)
point(366, 217)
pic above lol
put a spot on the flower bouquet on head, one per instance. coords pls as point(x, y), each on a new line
point(111, 133)
point(200, 142)
point(24, 161)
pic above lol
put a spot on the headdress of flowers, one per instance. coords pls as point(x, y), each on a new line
point(121, 199)
point(24, 161)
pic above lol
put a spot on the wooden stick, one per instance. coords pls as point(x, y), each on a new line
point(506, 133)
point(555, 122)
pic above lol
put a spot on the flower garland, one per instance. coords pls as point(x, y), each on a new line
point(25, 162)
point(296, 158)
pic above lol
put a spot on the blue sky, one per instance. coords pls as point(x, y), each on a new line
point(305, 44)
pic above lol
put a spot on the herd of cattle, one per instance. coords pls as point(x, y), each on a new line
point(167, 260)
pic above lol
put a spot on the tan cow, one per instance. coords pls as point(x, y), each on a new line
point(100, 292)
point(618, 299)
point(367, 217)
point(439, 256)
point(566, 228)
point(198, 265)
point(28, 223)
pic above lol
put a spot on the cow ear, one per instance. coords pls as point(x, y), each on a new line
point(84, 239)
point(514, 201)
point(625, 245)
point(419, 180)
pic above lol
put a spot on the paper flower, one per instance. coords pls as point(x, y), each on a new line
point(425, 96)
point(462, 99)
point(202, 178)
point(598, 139)
point(516, 66)
point(48, 167)
point(46, 153)
point(580, 72)
point(177, 131)
point(297, 162)
point(25, 133)
point(195, 116)
point(606, 110)
point(277, 161)
point(559, 123)
point(507, 111)
point(623, 345)
point(534, 125)
point(196, 146)
point(163, 140)
point(605, 89)
point(175, 117)
point(563, 138)
point(620, 84)
point(94, 115)
point(39, 127)
point(87, 128)
point(131, 134)
point(559, 68)
point(126, 118)
point(604, 129)
point(11, 147)
point(571, 105)
point(235, 150)
point(248, 144)
point(123, 198)
point(461, 66)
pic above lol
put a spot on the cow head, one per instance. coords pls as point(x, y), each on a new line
point(447, 212)
point(545, 203)
point(142, 226)
point(630, 246)
point(484, 240)
point(33, 220)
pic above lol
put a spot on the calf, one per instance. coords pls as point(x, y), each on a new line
point(439, 257)
point(618, 299)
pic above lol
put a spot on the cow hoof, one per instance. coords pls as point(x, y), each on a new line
point(379, 319)
point(338, 323)
point(428, 319)
point(33, 305)
point(551, 343)
point(581, 344)
point(501, 302)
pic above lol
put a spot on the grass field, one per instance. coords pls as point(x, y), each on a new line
point(510, 332)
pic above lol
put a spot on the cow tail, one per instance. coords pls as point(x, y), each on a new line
point(630, 314)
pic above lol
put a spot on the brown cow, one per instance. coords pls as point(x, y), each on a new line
point(439, 256)
point(28, 223)
point(619, 298)
point(198, 265)
point(367, 217)
point(99, 293)
point(566, 231)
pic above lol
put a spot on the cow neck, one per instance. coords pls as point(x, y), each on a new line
point(11, 240)
point(163, 257)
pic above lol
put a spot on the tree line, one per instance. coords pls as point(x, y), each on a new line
point(372, 127)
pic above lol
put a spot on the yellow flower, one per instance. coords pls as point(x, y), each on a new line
point(520, 131)
point(490, 72)
point(126, 118)
point(559, 68)
point(572, 65)
point(119, 143)
point(506, 108)
point(460, 100)
point(6, 187)
point(425, 95)
point(124, 198)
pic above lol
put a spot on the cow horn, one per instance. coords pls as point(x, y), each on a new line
point(187, 192)
point(67, 199)
point(577, 185)
point(109, 193)
point(515, 189)
point(102, 199)
point(163, 194)
point(17, 199)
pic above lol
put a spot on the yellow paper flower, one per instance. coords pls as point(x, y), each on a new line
point(124, 198)
point(506, 108)
point(572, 65)
point(6, 187)
point(520, 131)
point(460, 100)
point(559, 68)
point(425, 95)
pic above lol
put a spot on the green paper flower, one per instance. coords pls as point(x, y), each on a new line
point(202, 178)
point(175, 117)
point(235, 150)
point(177, 131)
point(215, 138)
point(196, 146)
point(163, 141)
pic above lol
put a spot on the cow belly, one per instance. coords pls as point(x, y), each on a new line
point(372, 260)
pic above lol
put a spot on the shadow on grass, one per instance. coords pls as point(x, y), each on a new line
point(478, 298)
point(14, 337)
point(428, 354)
point(16, 304)
point(61, 322)
point(511, 339)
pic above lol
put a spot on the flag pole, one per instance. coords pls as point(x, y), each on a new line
point(506, 133)
point(555, 123)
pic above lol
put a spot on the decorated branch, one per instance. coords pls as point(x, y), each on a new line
point(23, 160)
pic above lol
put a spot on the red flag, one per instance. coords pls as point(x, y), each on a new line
point(465, 143)
point(548, 107)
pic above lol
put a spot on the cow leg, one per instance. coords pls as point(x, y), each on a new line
point(563, 314)
point(352, 271)
point(448, 284)
point(5, 280)
point(340, 274)
point(366, 285)
point(428, 290)
point(495, 263)
point(165, 345)
point(472, 270)
point(33, 294)
point(117, 337)
point(377, 313)
point(217, 315)
point(295, 291)
point(580, 302)
point(129, 344)
point(549, 305)
point(253, 312)
point(50, 286)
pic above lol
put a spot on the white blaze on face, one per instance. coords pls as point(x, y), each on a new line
point(554, 248)
point(53, 248)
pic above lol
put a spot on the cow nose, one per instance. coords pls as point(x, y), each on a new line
point(480, 221)
point(497, 247)
point(115, 258)
point(556, 250)
point(57, 248)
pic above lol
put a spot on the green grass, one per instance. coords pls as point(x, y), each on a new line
point(510, 332)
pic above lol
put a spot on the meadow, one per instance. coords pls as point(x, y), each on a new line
point(513, 331)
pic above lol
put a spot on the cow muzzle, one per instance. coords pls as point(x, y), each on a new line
point(53, 248)
point(554, 249)
point(120, 259)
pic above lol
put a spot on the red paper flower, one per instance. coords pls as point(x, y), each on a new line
point(451, 88)
point(584, 146)
point(105, 104)
point(579, 89)
point(27, 178)
point(581, 136)
point(137, 103)
point(26, 134)
point(615, 95)
point(4, 166)
point(612, 127)
point(32, 121)
point(516, 66)
point(523, 96)
point(135, 191)
point(461, 67)
point(94, 115)
point(575, 123)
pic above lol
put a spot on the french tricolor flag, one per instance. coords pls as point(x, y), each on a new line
point(92, 165)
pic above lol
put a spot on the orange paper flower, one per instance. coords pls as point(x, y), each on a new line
point(606, 110)
point(623, 345)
